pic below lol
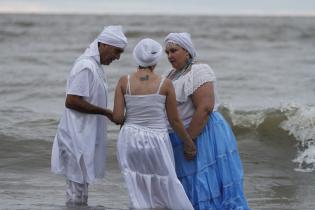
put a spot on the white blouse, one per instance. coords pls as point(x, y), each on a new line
point(187, 84)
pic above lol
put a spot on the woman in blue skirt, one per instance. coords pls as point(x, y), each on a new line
point(214, 180)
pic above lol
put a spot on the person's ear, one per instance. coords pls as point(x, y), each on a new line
point(187, 55)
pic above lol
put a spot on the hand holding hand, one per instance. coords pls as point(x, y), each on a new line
point(109, 113)
point(190, 150)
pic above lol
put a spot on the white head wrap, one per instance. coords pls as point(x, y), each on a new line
point(113, 35)
point(147, 52)
point(183, 40)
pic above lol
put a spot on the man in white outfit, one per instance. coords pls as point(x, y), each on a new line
point(78, 150)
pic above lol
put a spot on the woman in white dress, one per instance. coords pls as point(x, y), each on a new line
point(144, 151)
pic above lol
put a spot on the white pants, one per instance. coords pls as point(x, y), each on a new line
point(77, 193)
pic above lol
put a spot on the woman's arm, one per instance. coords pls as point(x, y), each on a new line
point(203, 100)
point(176, 123)
point(119, 102)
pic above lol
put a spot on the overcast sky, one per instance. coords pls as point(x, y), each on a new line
point(176, 7)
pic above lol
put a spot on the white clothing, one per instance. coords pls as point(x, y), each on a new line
point(81, 136)
point(114, 36)
point(92, 51)
point(111, 35)
point(76, 194)
point(186, 85)
point(146, 157)
point(183, 40)
point(147, 52)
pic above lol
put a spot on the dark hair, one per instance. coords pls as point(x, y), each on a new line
point(147, 67)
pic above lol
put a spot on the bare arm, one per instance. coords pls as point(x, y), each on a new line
point(119, 102)
point(78, 103)
point(176, 123)
point(203, 100)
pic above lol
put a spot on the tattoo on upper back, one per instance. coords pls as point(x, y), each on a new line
point(146, 77)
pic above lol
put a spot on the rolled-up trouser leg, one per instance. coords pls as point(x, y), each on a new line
point(77, 193)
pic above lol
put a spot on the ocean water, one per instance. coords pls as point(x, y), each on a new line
point(266, 82)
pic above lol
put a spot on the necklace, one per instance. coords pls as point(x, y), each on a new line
point(175, 74)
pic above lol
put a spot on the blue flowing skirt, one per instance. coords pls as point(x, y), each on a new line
point(214, 179)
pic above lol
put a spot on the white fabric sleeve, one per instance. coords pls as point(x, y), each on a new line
point(202, 74)
point(80, 83)
point(199, 74)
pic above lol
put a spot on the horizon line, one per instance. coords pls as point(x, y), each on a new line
point(241, 14)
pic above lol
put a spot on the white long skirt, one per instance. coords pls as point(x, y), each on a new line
point(147, 164)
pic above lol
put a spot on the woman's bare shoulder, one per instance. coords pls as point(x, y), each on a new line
point(122, 83)
point(166, 87)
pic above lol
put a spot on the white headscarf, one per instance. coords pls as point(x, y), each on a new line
point(147, 52)
point(183, 40)
point(113, 35)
